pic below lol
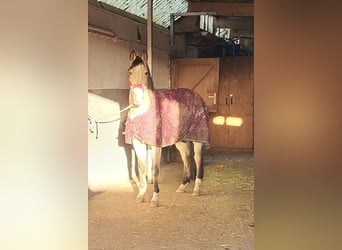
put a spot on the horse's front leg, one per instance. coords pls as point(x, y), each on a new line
point(155, 155)
point(141, 154)
point(184, 150)
point(198, 157)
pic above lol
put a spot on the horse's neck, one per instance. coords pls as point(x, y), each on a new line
point(148, 101)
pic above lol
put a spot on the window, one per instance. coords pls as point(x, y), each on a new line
point(223, 33)
point(207, 23)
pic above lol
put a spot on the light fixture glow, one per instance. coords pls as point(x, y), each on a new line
point(228, 121)
point(234, 121)
point(219, 120)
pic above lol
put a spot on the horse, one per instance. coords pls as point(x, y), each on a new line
point(160, 118)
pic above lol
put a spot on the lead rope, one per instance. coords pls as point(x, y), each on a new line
point(96, 127)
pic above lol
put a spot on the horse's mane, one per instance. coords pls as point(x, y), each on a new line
point(150, 84)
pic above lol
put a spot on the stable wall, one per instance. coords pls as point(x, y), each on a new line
point(108, 59)
point(109, 158)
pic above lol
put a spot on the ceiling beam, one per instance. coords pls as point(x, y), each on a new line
point(223, 9)
point(234, 33)
point(187, 24)
point(242, 23)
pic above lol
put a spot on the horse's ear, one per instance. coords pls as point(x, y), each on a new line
point(132, 56)
point(144, 56)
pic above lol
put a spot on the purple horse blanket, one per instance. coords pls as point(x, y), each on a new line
point(175, 115)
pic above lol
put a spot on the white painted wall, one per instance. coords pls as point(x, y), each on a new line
point(108, 59)
point(107, 161)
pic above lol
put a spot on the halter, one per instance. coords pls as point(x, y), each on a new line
point(138, 85)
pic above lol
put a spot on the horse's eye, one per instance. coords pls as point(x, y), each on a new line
point(146, 73)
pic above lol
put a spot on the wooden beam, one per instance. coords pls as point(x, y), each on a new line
point(247, 24)
point(187, 24)
point(235, 33)
point(223, 9)
point(149, 34)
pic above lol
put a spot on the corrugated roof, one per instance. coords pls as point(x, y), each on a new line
point(161, 8)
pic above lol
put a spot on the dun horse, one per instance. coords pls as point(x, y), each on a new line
point(158, 119)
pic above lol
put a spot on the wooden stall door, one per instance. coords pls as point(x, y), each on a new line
point(232, 124)
point(200, 75)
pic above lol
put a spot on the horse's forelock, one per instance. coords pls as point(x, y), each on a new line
point(137, 61)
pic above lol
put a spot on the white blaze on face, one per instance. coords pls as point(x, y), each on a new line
point(138, 96)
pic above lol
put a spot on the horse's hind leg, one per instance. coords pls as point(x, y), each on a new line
point(141, 153)
point(198, 157)
point(149, 165)
point(184, 150)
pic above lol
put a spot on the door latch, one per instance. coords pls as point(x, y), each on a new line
point(213, 97)
point(230, 98)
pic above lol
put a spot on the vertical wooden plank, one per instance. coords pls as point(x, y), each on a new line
point(149, 34)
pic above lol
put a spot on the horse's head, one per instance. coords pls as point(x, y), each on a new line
point(139, 79)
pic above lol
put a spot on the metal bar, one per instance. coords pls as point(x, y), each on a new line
point(195, 13)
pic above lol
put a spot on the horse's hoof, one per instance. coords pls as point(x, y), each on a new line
point(181, 189)
point(196, 193)
point(155, 200)
point(140, 199)
point(154, 204)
